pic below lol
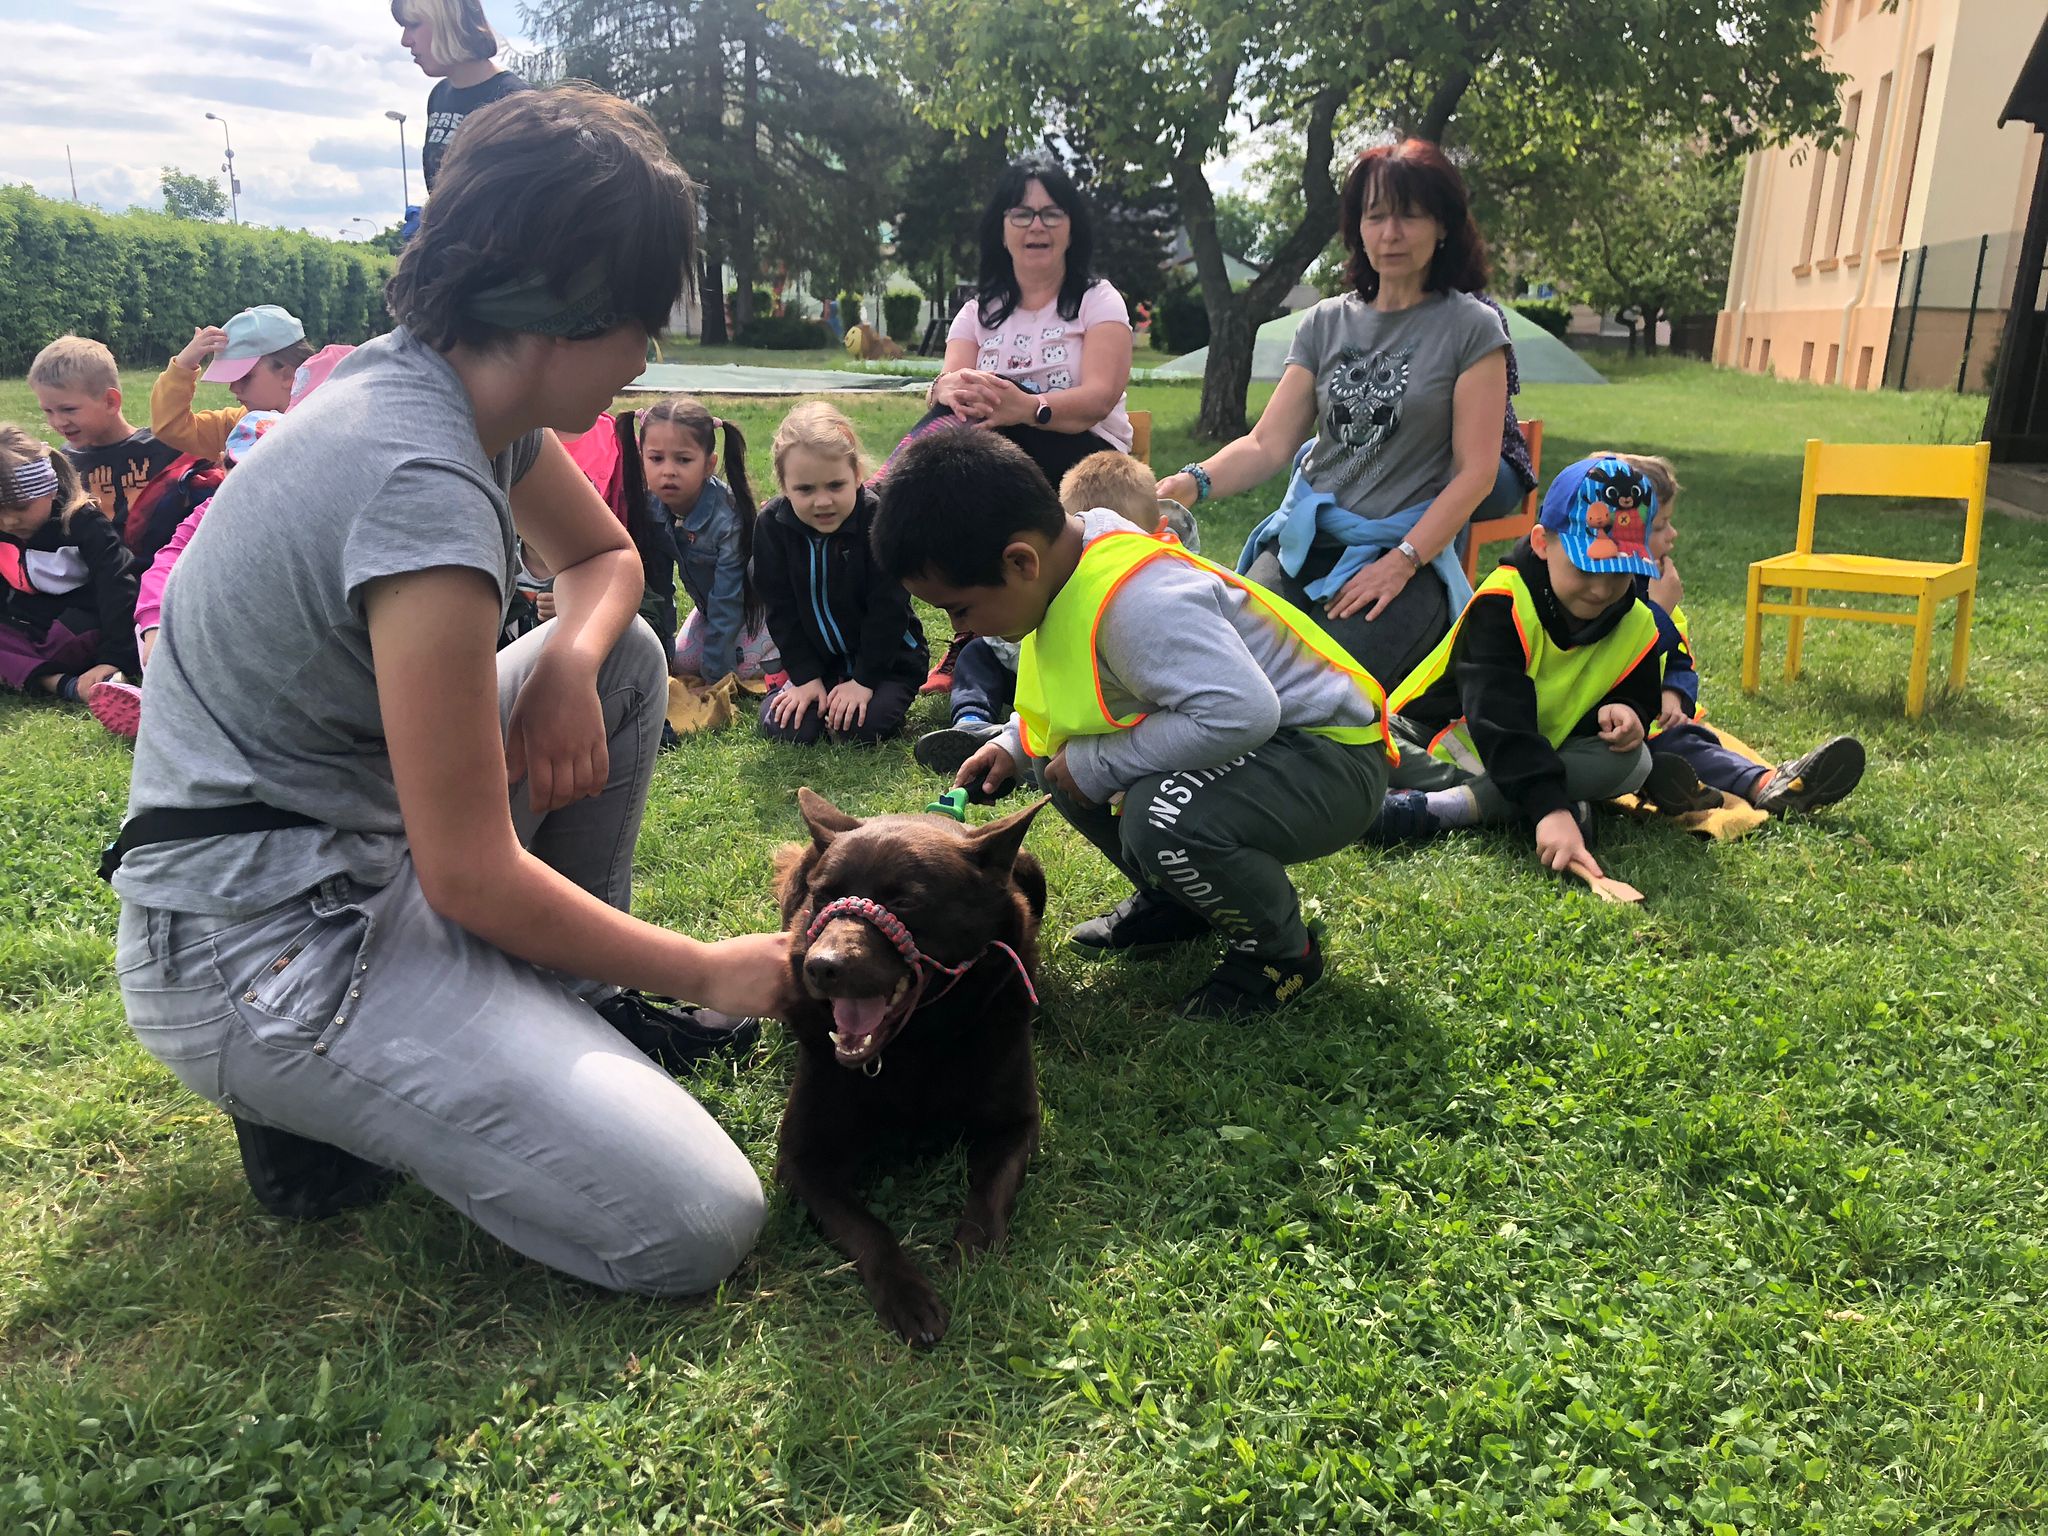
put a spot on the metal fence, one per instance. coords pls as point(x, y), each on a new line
point(1949, 313)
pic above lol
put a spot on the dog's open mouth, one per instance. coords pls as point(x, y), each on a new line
point(861, 1026)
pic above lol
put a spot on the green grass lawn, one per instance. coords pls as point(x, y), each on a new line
point(1725, 1214)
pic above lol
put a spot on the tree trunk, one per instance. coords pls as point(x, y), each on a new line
point(718, 199)
point(1234, 317)
point(711, 292)
point(1650, 315)
point(1443, 104)
point(745, 259)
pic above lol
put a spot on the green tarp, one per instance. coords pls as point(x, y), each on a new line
point(739, 379)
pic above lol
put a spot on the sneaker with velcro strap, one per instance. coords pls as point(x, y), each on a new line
point(676, 1036)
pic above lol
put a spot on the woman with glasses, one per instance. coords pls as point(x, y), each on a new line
point(1042, 353)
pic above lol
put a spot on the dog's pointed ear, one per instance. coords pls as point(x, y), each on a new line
point(995, 844)
point(825, 819)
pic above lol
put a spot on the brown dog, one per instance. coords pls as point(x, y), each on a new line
point(914, 945)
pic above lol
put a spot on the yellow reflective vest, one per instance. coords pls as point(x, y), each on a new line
point(1059, 673)
point(1570, 681)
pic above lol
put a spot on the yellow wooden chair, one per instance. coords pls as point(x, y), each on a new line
point(1875, 469)
point(1141, 436)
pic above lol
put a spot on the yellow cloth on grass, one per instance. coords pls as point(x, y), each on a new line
point(1732, 818)
point(694, 705)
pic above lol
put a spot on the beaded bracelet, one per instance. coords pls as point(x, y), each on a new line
point(1201, 478)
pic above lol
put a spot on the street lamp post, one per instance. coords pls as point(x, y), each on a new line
point(404, 174)
point(234, 182)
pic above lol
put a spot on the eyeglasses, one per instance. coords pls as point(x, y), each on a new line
point(1051, 218)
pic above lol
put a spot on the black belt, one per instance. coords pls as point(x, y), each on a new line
point(179, 826)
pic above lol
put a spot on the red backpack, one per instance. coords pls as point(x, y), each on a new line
point(173, 492)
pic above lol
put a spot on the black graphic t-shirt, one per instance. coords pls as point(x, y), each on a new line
point(448, 105)
point(1383, 394)
point(117, 472)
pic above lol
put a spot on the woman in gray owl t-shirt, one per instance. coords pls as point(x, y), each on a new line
point(1399, 389)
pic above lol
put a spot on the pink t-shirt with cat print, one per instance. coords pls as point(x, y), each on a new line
point(1039, 351)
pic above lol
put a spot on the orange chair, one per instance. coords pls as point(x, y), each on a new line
point(1893, 471)
point(1493, 529)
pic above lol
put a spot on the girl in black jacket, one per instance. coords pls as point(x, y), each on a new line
point(853, 648)
point(67, 584)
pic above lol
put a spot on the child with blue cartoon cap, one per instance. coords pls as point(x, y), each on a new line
point(1539, 700)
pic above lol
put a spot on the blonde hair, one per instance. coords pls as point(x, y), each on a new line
point(819, 428)
point(75, 362)
point(19, 446)
point(459, 27)
point(1113, 480)
point(1662, 477)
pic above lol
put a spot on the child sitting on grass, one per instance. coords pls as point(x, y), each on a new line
point(1690, 768)
point(1539, 699)
point(256, 354)
point(985, 668)
point(67, 583)
point(853, 648)
point(78, 387)
point(704, 526)
point(1201, 732)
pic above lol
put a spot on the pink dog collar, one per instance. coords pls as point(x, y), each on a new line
point(897, 932)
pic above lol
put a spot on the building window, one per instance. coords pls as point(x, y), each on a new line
point(1843, 10)
point(1834, 357)
point(1805, 362)
point(1820, 177)
point(1851, 116)
point(1748, 352)
point(1763, 362)
point(1909, 150)
point(1864, 361)
point(1866, 209)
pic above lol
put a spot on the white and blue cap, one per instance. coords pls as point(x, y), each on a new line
point(252, 336)
point(248, 432)
point(1601, 509)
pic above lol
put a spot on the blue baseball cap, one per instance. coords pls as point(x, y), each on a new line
point(1601, 510)
point(253, 335)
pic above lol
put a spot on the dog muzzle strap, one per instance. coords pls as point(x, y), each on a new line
point(922, 966)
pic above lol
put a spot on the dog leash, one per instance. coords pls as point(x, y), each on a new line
point(897, 932)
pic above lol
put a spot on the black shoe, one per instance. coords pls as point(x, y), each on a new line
point(1251, 986)
point(1404, 817)
point(676, 1036)
point(1143, 924)
point(942, 752)
point(1582, 813)
point(1674, 788)
point(1822, 777)
point(301, 1179)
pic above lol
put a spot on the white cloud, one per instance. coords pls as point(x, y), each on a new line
point(126, 85)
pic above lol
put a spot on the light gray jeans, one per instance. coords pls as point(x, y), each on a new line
point(362, 1018)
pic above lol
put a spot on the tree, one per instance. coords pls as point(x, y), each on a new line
point(193, 197)
point(797, 160)
point(1644, 231)
point(1163, 87)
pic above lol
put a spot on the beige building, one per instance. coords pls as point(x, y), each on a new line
point(1892, 256)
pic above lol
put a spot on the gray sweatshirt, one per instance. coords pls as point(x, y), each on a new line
point(1214, 676)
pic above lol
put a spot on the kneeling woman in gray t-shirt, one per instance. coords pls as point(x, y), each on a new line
point(1393, 410)
point(336, 924)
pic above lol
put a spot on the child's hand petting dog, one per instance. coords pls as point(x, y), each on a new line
point(989, 770)
point(1621, 728)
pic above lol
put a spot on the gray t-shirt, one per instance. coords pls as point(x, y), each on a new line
point(261, 686)
point(1383, 394)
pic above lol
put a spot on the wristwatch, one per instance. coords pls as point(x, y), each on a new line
point(1408, 549)
point(1043, 415)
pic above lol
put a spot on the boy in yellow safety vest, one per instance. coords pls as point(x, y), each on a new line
point(1200, 731)
point(1690, 767)
point(1540, 698)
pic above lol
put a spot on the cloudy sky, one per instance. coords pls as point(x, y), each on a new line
point(304, 85)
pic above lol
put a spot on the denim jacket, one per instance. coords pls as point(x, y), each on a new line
point(706, 541)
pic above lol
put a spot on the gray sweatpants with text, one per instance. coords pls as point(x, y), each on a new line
point(1219, 840)
point(1592, 771)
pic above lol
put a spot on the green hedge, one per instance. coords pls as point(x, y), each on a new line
point(140, 281)
point(1552, 314)
point(900, 312)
